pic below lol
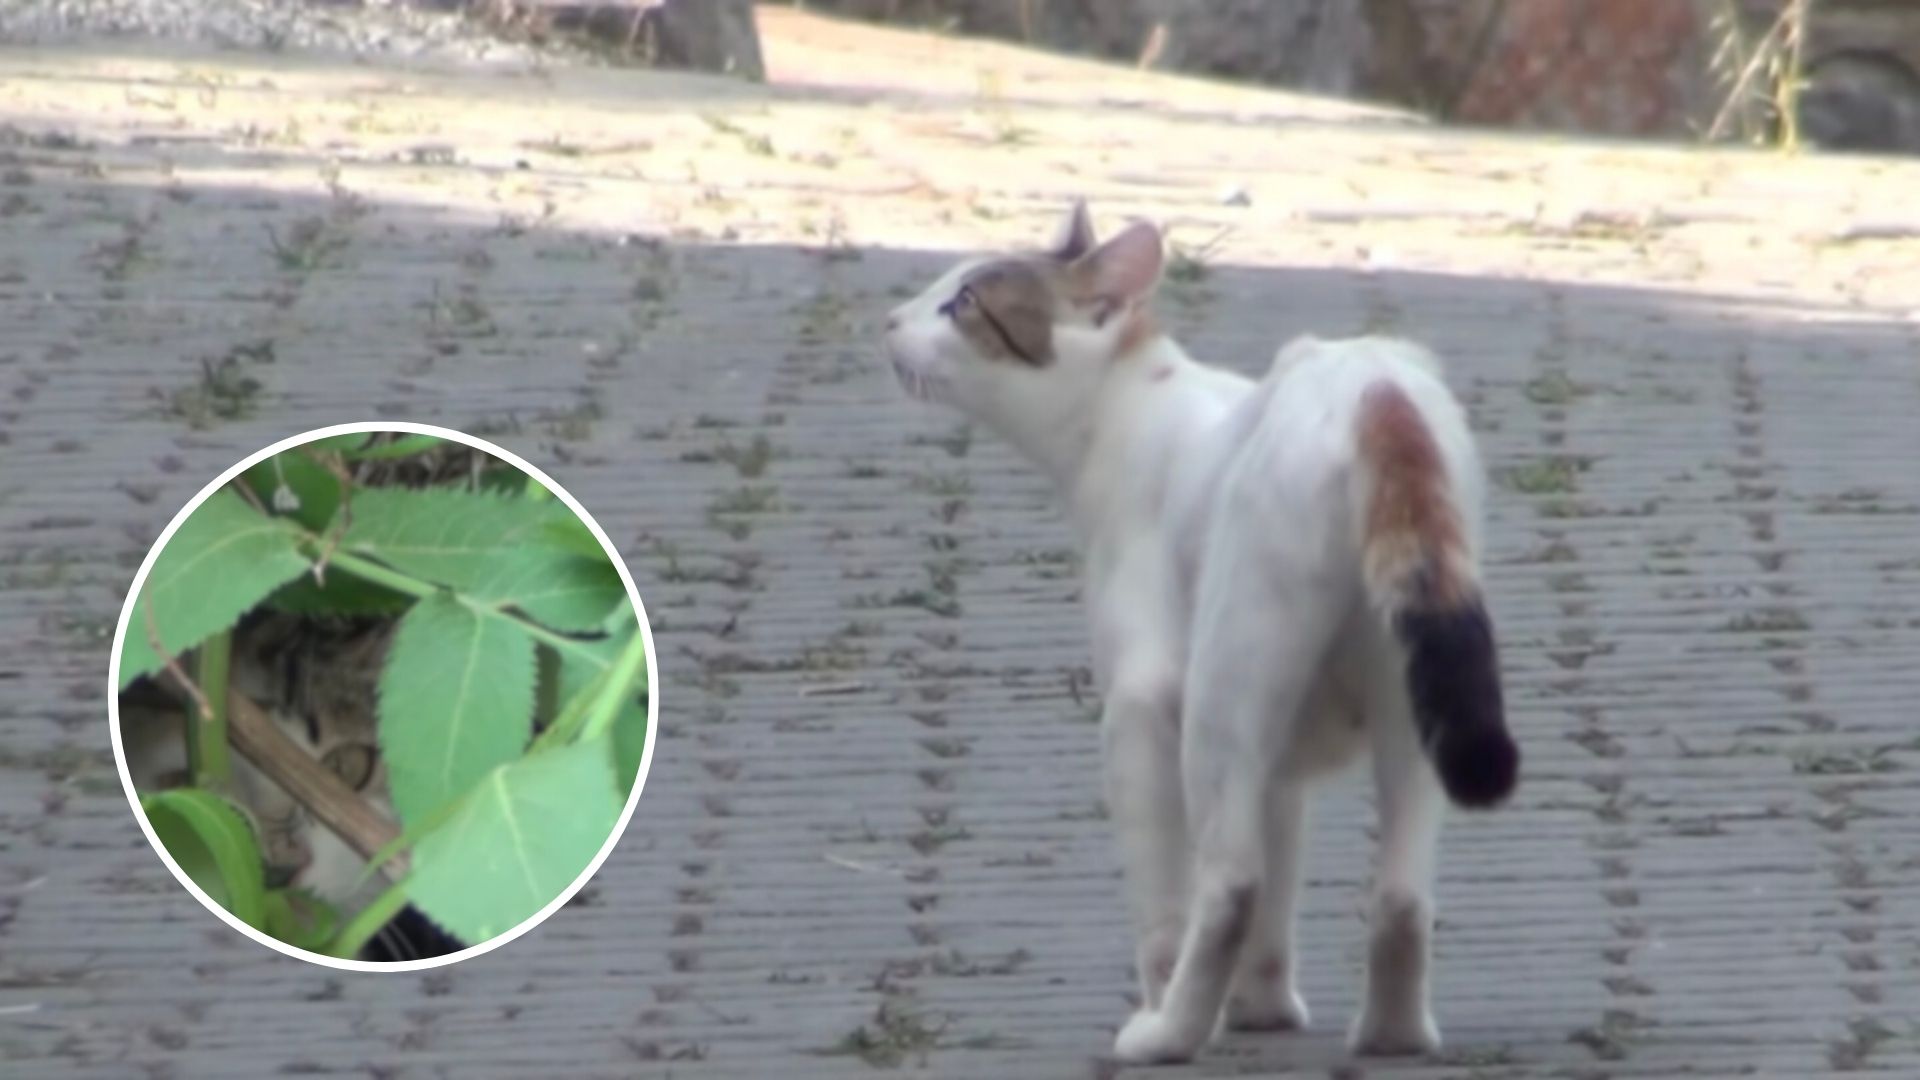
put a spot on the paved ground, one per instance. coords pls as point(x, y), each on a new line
point(872, 833)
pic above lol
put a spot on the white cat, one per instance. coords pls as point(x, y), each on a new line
point(1280, 575)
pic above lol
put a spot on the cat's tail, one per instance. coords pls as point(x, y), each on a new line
point(1420, 575)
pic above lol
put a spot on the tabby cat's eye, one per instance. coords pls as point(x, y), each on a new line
point(352, 762)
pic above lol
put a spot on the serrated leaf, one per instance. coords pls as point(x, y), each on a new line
point(491, 548)
point(456, 699)
point(520, 838)
point(567, 593)
point(453, 537)
point(214, 846)
point(224, 559)
point(407, 446)
point(567, 531)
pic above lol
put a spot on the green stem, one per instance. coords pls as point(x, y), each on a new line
point(368, 570)
point(568, 723)
point(620, 679)
point(207, 738)
point(360, 929)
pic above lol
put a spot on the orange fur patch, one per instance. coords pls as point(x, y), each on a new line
point(1413, 546)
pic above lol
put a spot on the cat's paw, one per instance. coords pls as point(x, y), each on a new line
point(1378, 1035)
point(1155, 958)
point(1269, 1006)
point(1149, 1038)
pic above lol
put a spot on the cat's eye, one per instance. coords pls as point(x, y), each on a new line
point(353, 763)
point(962, 301)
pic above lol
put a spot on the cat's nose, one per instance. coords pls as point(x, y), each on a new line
point(893, 323)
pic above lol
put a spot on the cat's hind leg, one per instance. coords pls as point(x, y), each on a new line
point(1395, 1017)
point(1253, 664)
point(1264, 996)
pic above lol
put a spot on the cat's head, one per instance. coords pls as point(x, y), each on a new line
point(1020, 340)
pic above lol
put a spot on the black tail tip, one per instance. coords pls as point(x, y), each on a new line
point(1479, 770)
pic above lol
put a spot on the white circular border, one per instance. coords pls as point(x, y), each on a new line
point(646, 751)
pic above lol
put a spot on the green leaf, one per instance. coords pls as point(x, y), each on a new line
point(314, 493)
point(224, 559)
point(491, 548)
point(568, 593)
point(398, 448)
point(456, 699)
point(520, 838)
point(568, 531)
point(501, 479)
point(341, 444)
point(343, 594)
point(582, 681)
point(214, 846)
point(629, 746)
point(547, 701)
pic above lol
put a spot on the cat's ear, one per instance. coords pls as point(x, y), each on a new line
point(1074, 238)
point(1125, 269)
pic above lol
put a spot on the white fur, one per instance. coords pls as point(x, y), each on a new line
point(1235, 652)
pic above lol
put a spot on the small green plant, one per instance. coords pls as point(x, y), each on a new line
point(310, 243)
point(225, 390)
point(1547, 476)
point(1554, 388)
point(753, 142)
point(957, 443)
point(750, 460)
point(511, 709)
point(747, 499)
point(1006, 131)
point(1190, 265)
point(898, 1034)
point(1760, 77)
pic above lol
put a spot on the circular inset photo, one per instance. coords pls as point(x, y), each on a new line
point(381, 696)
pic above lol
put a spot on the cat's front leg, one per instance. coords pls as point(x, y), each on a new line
point(1140, 732)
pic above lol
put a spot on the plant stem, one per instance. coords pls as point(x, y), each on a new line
point(363, 926)
point(307, 781)
point(631, 666)
point(566, 725)
point(207, 735)
point(1787, 90)
point(368, 570)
